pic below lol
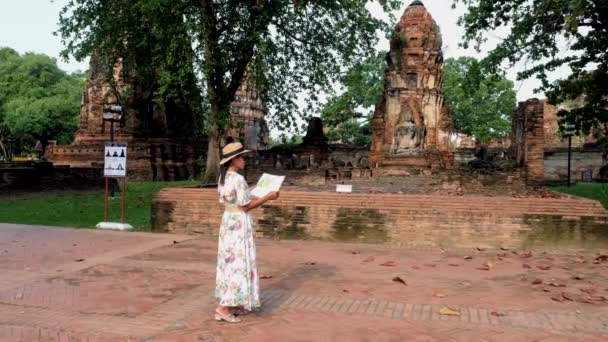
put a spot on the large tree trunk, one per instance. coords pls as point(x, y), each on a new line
point(212, 167)
point(219, 118)
point(3, 151)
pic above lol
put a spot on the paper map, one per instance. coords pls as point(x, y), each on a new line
point(266, 184)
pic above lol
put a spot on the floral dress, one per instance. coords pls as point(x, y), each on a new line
point(237, 281)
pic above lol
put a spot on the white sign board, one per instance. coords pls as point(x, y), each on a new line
point(344, 188)
point(266, 184)
point(115, 160)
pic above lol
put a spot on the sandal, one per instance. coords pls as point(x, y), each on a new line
point(230, 318)
point(242, 312)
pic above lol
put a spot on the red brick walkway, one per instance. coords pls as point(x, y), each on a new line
point(84, 285)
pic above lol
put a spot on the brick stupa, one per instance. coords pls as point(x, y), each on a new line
point(411, 123)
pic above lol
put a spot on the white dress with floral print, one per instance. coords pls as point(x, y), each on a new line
point(237, 281)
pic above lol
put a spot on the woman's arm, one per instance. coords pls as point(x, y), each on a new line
point(259, 201)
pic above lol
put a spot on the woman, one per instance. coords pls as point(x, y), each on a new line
point(237, 281)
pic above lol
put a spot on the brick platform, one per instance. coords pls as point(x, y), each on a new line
point(83, 285)
point(400, 219)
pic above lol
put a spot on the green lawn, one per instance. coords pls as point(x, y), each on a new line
point(596, 191)
point(84, 209)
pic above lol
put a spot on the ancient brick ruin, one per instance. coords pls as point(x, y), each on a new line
point(161, 140)
point(543, 152)
point(248, 117)
point(411, 124)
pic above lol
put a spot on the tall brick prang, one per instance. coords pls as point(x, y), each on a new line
point(411, 121)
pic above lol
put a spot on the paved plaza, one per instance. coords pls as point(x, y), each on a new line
point(85, 285)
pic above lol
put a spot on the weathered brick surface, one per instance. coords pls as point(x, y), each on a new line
point(396, 218)
point(528, 137)
point(160, 288)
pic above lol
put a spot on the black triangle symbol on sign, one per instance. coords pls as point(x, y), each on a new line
point(108, 153)
point(122, 153)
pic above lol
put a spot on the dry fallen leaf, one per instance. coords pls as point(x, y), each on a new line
point(526, 266)
point(504, 248)
point(449, 311)
point(537, 281)
point(311, 263)
point(546, 289)
point(597, 298)
point(389, 263)
point(453, 264)
point(429, 265)
point(468, 257)
point(567, 296)
point(79, 260)
point(399, 280)
point(497, 314)
point(486, 266)
point(266, 277)
point(600, 258)
point(355, 252)
point(480, 249)
point(554, 284)
point(439, 295)
point(589, 290)
point(543, 267)
point(345, 290)
point(578, 277)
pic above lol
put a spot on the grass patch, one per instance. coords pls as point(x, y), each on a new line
point(84, 209)
point(596, 191)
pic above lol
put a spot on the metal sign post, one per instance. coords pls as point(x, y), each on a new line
point(115, 166)
point(112, 113)
point(569, 132)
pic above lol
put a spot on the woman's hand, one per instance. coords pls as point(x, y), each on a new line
point(273, 195)
point(259, 201)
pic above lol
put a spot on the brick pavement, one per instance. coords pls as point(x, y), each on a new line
point(157, 287)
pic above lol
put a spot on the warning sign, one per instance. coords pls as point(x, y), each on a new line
point(115, 160)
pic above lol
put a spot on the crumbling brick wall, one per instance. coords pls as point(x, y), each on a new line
point(528, 137)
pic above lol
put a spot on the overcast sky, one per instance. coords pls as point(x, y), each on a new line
point(28, 25)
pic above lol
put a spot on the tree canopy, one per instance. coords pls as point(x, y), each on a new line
point(38, 101)
point(547, 35)
point(288, 47)
point(347, 116)
point(482, 103)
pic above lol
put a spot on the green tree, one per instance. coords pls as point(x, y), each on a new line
point(286, 46)
point(347, 116)
point(547, 35)
point(482, 103)
point(37, 99)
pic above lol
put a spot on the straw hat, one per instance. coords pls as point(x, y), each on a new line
point(232, 150)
